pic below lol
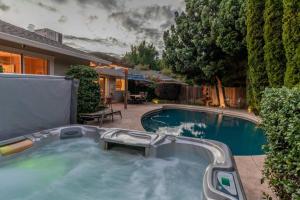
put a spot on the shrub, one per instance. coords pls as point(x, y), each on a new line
point(168, 91)
point(274, 52)
point(255, 42)
point(1, 69)
point(280, 111)
point(89, 91)
point(291, 41)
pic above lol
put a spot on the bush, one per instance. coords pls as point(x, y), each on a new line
point(291, 41)
point(89, 90)
point(274, 52)
point(280, 111)
point(255, 42)
point(168, 91)
point(1, 69)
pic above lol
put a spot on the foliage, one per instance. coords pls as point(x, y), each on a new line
point(273, 50)
point(291, 41)
point(89, 91)
point(229, 27)
point(168, 91)
point(1, 69)
point(143, 54)
point(166, 71)
point(194, 46)
point(258, 79)
point(142, 67)
point(280, 111)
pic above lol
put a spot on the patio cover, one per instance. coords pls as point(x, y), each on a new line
point(32, 103)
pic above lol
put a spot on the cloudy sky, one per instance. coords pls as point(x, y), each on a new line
point(109, 26)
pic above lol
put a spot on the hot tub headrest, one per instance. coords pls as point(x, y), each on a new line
point(15, 147)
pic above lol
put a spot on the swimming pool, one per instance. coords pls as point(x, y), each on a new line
point(242, 136)
point(86, 162)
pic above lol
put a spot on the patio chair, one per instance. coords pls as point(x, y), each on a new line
point(101, 114)
point(129, 99)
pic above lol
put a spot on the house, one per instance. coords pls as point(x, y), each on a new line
point(39, 52)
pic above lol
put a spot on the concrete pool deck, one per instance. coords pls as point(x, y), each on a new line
point(249, 167)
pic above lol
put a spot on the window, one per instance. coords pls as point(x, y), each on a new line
point(120, 84)
point(35, 65)
point(10, 62)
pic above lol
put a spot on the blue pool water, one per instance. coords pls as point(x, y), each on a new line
point(242, 137)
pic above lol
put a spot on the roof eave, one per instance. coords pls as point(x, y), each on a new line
point(24, 41)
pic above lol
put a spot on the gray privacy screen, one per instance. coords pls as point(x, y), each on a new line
point(33, 103)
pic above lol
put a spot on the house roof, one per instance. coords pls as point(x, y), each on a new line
point(16, 34)
point(113, 58)
point(138, 75)
point(106, 71)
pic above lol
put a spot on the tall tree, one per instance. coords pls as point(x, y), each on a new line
point(291, 41)
point(230, 28)
point(143, 54)
point(191, 46)
point(255, 42)
point(273, 50)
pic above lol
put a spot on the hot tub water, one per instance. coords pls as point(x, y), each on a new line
point(78, 169)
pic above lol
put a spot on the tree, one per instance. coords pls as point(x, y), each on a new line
point(274, 56)
point(1, 69)
point(194, 46)
point(144, 54)
point(230, 27)
point(89, 89)
point(291, 41)
point(255, 42)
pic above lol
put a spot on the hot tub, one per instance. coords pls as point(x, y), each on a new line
point(86, 162)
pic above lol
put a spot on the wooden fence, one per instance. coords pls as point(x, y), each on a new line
point(235, 97)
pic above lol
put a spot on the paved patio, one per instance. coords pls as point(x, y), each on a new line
point(249, 167)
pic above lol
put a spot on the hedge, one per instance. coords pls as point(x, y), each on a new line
point(280, 112)
point(291, 41)
point(274, 52)
point(255, 42)
point(89, 90)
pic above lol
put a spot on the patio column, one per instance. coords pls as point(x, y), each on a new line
point(126, 88)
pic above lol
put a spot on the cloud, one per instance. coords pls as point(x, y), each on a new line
point(92, 18)
point(4, 7)
point(141, 20)
point(60, 1)
point(47, 7)
point(63, 19)
point(109, 42)
point(106, 4)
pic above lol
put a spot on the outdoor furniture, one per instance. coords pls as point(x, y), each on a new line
point(100, 115)
point(143, 96)
point(136, 98)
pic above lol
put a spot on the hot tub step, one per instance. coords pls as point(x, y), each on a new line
point(130, 139)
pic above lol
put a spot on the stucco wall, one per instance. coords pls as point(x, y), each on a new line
point(61, 66)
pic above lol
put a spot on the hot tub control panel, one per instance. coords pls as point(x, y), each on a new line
point(226, 183)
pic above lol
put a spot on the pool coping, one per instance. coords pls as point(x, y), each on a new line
point(232, 113)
